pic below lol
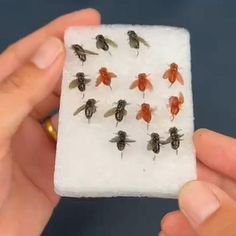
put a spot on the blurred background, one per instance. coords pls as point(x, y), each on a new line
point(213, 38)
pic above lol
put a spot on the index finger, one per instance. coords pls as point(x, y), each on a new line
point(216, 151)
point(14, 56)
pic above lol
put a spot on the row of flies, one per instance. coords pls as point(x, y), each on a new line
point(154, 144)
point(104, 44)
point(145, 112)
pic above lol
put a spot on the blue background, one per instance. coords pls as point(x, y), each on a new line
point(213, 39)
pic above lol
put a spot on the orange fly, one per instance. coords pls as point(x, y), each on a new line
point(175, 104)
point(105, 77)
point(145, 113)
point(172, 74)
point(143, 83)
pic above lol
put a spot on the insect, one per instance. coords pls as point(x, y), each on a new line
point(154, 144)
point(82, 53)
point(145, 113)
point(172, 74)
point(175, 104)
point(174, 138)
point(143, 83)
point(105, 77)
point(89, 109)
point(119, 111)
point(104, 43)
point(121, 141)
point(135, 40)
point(80, 82)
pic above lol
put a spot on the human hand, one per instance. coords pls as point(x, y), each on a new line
point(207, 206)
point(29, 89)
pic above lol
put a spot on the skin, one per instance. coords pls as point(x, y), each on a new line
point(216, 165)
point(27, 95)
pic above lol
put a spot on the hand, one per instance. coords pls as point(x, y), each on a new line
point(29, 89)
point(207, 206)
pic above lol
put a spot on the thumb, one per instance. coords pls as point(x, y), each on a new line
point(29, 85)
point(209, 209)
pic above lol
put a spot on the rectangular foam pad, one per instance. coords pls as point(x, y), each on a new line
point(87, 164)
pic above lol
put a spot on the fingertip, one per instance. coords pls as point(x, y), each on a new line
point(199, 133)
point(89, 15)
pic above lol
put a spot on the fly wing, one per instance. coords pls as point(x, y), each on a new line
point(90, 52)
point(127, 140)
point(98, 81)
point(166, 74)
point(111, 42)
point(79, 110)
point(171, 100)
point(180, 78)
point(112, 75)
point(73, 84)
point(149, 85)
point(134, 84)
point(181, 98)
point(110, 112)
point(143, 41)
point(139, 115)
point(87, 81)
point(115, 139)
point(168, 140)
point(149, 146)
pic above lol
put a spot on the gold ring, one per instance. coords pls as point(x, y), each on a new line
point(52, 132)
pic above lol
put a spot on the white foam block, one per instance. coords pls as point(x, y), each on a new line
point(87, 164)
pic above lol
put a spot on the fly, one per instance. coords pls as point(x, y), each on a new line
point(89, 108)
point(119, 111)
point(104, 43)
point(80, 82)
point(175, 104)
point(142, 83)
point(121, 141)
point(135, 40)
point(82, 53)
point(154, 144)
point(105, 77)
point(174, 138)
point(145, 113)
point(173, 74)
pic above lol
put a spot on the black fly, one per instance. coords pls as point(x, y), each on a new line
point(174, 138)
point(89, 108)
point(119, 111)
point(121, 140)
point(80, 82)
point(135, 40)
point(154, 144)
point(82, 53)
point(104, 43)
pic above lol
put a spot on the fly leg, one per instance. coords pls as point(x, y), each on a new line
point(154, 158)
point(117, 123)
point(121, 155)
point(83, 96)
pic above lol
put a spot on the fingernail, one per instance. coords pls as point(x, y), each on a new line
point(47, 53)
point(198, 202)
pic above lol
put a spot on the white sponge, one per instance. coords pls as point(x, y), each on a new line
point(87, 164)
